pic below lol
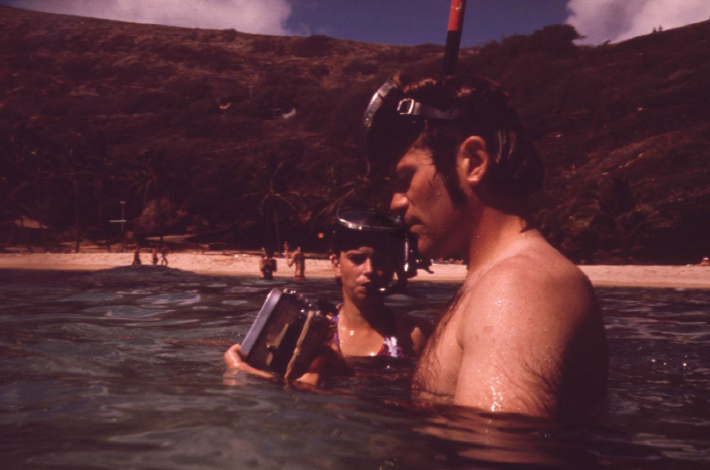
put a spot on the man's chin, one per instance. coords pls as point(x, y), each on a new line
point(426, 247)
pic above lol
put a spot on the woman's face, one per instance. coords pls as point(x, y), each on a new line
point(363, 271)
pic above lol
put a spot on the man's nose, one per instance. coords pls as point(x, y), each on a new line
point(399, 203)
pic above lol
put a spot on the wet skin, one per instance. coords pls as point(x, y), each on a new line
point(364, 320)
point(523, 334)
point(299, 260)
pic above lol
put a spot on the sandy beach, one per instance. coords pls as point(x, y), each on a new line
point(247, 265)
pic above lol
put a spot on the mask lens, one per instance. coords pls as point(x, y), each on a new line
point(376, 103)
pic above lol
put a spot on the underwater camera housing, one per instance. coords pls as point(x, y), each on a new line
point(287, 333)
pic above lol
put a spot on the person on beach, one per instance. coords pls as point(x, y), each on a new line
point(298, 259)
point(164, 255)
point(523, 334)
point(154, 253)
point(364, 326)
point(137, 257)
point(267, 265)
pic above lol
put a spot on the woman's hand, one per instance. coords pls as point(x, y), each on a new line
point(327, 362)
point(235, 365)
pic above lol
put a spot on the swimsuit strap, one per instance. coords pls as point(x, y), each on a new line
point(390, 345)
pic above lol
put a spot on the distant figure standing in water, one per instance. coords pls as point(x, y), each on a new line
point(137, 257)
point(286, 250)
point(299, 260)
point(155, 256)
point(267, 265)
point(164, 255)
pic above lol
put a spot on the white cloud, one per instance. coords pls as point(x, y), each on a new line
point(617, 20)
point(250, 16)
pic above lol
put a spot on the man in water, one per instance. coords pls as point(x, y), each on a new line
point(137, 256)
point(267, 264)
point(299, 260)
point(523, 334)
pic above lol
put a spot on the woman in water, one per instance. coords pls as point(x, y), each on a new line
point(364, 263)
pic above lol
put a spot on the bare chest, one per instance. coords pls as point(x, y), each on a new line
point(436, 374)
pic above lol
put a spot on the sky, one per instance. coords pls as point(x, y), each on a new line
point(399, 22)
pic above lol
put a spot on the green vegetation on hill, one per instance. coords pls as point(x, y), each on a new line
point(249, 139)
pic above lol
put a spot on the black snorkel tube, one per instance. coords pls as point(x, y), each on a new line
point(383, 226)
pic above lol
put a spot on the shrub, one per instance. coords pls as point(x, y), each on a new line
point(150, 101)
point(77, 68)
point(314, 46)
point(121, 43)
point(130, 71)
point(358, 66)
point(267, 45)
point(228, 35)
point(320, 70)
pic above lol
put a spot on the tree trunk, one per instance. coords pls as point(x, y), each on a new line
point(278, 235)
point(38, 217)
point(161, 220)
point(98, 194)
point(76, 215)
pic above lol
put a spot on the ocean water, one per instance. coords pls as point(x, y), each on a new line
point(123, 369)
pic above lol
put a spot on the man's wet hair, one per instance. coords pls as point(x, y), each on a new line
point(516, 168)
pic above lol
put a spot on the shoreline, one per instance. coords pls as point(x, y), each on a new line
point(691, 277)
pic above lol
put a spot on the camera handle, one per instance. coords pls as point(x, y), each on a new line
point(299, 343)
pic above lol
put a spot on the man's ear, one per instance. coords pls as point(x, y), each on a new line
point(473, 160)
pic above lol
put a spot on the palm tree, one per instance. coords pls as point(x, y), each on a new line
point(152, 177)
point(275, 201)
point(100, 171)
point(344, 187)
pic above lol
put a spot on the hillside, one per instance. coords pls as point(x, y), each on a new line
point(249, 139)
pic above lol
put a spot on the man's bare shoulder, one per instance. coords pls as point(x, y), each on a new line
point(536, 284)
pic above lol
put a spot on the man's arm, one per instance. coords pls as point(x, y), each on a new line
point(516, 333)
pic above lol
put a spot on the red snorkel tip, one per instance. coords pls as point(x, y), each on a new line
point(453, 36)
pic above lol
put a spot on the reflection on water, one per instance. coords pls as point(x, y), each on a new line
point(122, 369)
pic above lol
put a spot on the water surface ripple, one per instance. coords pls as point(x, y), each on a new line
point(123, 369)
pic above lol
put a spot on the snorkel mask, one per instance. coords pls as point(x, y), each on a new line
point(383, 229)
point(389, 104)
point(410, 108)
